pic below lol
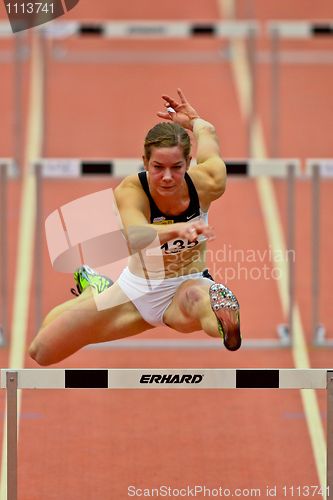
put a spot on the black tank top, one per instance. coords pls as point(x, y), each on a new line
point(158, 217)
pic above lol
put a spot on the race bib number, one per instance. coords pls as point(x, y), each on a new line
point(178, 245)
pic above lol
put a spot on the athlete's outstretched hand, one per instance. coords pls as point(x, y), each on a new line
point(179, 112)
point(191, 231)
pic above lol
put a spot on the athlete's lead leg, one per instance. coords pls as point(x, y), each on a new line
point(203, 305)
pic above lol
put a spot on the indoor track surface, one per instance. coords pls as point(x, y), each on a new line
point(99, 103)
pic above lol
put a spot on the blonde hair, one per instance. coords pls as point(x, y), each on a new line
point(167, 135)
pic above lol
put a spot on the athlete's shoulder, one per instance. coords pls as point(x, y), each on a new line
point(130, 192)
point(130, 184)
point(130, 181)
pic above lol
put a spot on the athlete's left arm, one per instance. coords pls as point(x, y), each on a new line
point(209, 160)
point(211, 167)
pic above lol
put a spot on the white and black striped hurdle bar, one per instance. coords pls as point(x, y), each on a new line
point(178, 29)
point(289, 30)
point(142, 378)
point(300, 29)
point(67, 168)
point(73, 168)
point(8, 170)
point(317, 169)
point(151, 29)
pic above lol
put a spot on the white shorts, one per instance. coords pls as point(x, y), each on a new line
point(152, 301)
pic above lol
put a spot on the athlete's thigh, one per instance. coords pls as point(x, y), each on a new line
point(82, 324)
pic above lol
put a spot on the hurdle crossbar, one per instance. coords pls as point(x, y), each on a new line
point(58, 168)
point(317, 169)
point(151, 29)
point(74, 168)
point(158, 378)
point(300, 29)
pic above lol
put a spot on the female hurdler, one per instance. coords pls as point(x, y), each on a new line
point(168, 202)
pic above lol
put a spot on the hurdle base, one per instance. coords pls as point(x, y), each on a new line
point(3, 342)
point(284, 334)
point(319, 339)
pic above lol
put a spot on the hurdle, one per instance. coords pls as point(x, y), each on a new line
point(74, 168)
point(18, 56)
point(142, 378)
point(159, 30)
point(291, 30)
point(7, 170)
point(317, 169)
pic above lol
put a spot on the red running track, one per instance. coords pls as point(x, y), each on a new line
point(94, 444)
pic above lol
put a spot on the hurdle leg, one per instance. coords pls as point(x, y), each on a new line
point(318, 331)
point(3, 255)
point(251, 50)
point(275, 93)
point(291, 248)
point(329, 485)
point(11, 384)
point(38, 248)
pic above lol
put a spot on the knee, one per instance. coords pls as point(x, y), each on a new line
point(191, 300)
point(40, 354)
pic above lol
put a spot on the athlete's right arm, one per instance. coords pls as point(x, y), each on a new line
point(134, 207)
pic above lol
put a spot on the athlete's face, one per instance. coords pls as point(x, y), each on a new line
point(166, 167)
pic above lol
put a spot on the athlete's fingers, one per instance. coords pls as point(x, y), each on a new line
point(165, 115)
point(196, 228)
point(207, 231)
point(182, 97)
point(170, 102)
point(192, 233)
point(201, 225)
point(210, 235)
point(211, 230)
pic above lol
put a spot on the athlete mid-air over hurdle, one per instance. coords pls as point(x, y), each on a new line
point(168, 202)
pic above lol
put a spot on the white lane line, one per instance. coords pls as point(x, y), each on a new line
point(241, 72)
point(24, 262)
point(299, 349)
